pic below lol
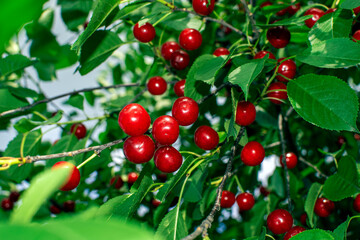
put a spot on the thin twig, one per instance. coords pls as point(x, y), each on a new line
point(46, 100)
point(251, 18)
point(200, 101)
point(283, 149)
point(206, 223)
point(301, 159)
point(275, 144)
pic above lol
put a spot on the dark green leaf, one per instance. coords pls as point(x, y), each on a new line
point(77, 101)
point(207, 68)
point(311, 198)
point(340, 232)
point(75, 12)
point(172, 222)
point(324, 101)
point(25, 125)
point(13, 63)
point(8, 101)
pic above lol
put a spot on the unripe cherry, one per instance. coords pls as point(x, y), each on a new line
point(74, 176)
point(134, 120)
point(139, 149)
point(227, 199)
point(185, 110)
point(252, 154)
point(145, 33)
point(167, 159)
point(179, 88)
point(165, 130)
point(245, 113)
point(156, 85)
point(206, 138)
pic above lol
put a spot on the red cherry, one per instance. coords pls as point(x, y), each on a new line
point(303, 218)
point(132, 177)
point(86, 23)
point(155, 203)
point(356, 137)
point(74, 178)
point(69, 206)
point(279, 36)
point(190, 39)
point(262, 54)
point(291, 160)
point(168, 49)
point(80, 130)
point(252, 154)
point(185, 110)
point(14, 196)
point(293, 9)
point(139, 149)
point(206, 138)
point(117, 182)
point(316, 15)
point(145, 33)
point(330, 10)
point(356, 10)
point(222, 52)
point(286, 68)
point(165, 130)
point(179, 60)
point(265, 4)
point(226, 30)
point(245, 201)
point(134, 120)
point(179, 88)
point(341, 140)
point(157, 85)
point(7, 204)
point(274, 94)
point(54, 209)
point(227, 199)
point(324, 207)
point(279, 221)
point(167, 159)
point(356, 36)
point(245, 113)
point(282, 12)
point(293, 231)
point(203, 7)
point(357, 203)
point(264, 191)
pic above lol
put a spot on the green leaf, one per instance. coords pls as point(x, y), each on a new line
point(24, 92)
point(65, 144)
point(324, 101)
point(128, 9)
point(13, 63)
point(244, 75)
point(311, 198)
point(97, 49)
point(332, 53)
point(253, 226)
point(171, 222)
point(76, 100)
point(25, 125)
point(41, 188)
point(334, 25)
point(313, 234)
point(350, 4)
point(178, 21)
point(75, 12)
point(101, 11)
point(66, 58)
point(287, 22)
point(8, 101)
point(345, 182)
point(340, 232)
point(207, 68)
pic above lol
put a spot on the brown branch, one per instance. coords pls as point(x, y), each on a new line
point(46, 100)
point(200, 101)
point(251, 18)
point(206, 223)
point(275, 144)
point(301, 159)
point(283, 153)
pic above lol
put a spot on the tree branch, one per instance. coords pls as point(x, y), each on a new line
point(200, 101)
point(301, 159)
point(206, 223)
point(46, 100)
point(251, 18)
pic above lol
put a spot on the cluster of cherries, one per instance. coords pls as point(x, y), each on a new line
point(67, 206)
point(8, 203)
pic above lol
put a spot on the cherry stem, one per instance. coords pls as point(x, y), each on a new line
point(191, 153)
point(87, 160)
point(179, 203)
point(238, 183)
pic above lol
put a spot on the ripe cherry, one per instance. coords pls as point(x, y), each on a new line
point(221, 51)
point(279, 221)
point(293, 9)
point(252, 154)
point(316, 15)
point(245, 113)
point(165, 130)
point(206, 138)
point(155, 203)
point(139, 149)
point(265, 4)
point(168, 49)
point(291, 160)
point(277, 92)
point(145, 33)
point(69, 206)
point(279, 36)
point(293, 231)
point(167, 159)
point(262, 54)
point(330, 10)
point(203, 7)
point(356, 36)
point(156, 85)
point(356, 10)
point(341, 140)
point(14, 196)
point(185, 110)
point(264, 191)
point(179, 60)
point(324, 207)
point(190, 39)
point(7, 204)
point(356, 203)
point(117, 182)
point(303, 218)
point(54, 209)
point(79, 130)
point(245, 201)
point(286, 68)
point(134, 120)
point(179, 88)
point(227, 199)
point(132, 177)
point(74, 177)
